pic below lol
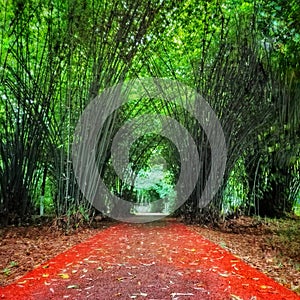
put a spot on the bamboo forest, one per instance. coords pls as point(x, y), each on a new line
point(242, 57)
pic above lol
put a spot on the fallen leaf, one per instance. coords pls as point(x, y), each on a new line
point(64, 276)
point(199, 284)
point(191, 250)
point(224, 274)
point(265, 287)
point(73, 286)
point(181, 294)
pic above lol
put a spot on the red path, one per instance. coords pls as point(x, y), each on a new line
point(162, 260)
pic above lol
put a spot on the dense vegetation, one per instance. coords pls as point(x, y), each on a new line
point(242, 57)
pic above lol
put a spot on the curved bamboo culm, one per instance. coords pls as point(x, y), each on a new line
point(55, 57)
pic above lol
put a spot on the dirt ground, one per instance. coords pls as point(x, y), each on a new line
point(271, 246)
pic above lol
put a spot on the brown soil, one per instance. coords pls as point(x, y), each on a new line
point(271, 246)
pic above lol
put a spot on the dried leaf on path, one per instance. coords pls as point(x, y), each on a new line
point(73, 286)
point(64, 276)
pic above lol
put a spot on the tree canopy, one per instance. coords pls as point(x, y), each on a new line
point(242, 57)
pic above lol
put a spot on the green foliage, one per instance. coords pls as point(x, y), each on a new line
point(278, 23)
point(154, 184)
point(236, 192)
point(242, 56)
point(7, 271)
point(55, 57)
point(46, 199)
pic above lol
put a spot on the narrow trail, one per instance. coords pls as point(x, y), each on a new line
point(160, 260)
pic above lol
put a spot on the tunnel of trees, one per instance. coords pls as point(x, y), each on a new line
point(241, 56)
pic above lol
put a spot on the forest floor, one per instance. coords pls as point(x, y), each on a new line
point(271, 246)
